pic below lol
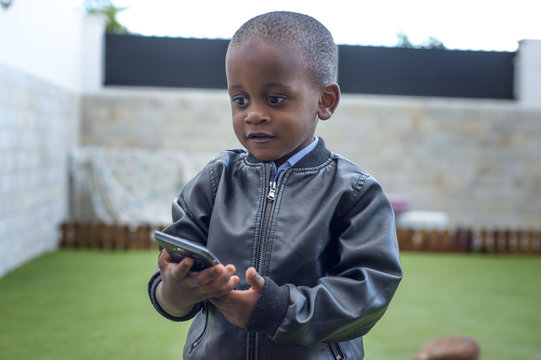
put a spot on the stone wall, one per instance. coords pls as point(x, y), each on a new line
point(38, 127)
point(477, 160)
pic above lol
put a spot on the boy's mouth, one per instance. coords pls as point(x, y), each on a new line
point(258, 136)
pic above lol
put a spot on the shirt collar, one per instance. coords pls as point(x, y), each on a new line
point(294, 159)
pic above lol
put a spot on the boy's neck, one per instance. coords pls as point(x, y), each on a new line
point(294, 158)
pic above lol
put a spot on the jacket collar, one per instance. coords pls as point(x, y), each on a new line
point(314, 158)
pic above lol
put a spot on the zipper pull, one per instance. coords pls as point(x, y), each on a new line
point(272, 190)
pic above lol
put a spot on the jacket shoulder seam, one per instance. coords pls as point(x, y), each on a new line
point(357, 187)
point(213, 177)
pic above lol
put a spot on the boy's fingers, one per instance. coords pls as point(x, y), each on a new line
point(234, 281)
point(209, 277)
point(164, 259)
point(231, 268)
point(256, 281)
point(181, 269)
point(222, 289)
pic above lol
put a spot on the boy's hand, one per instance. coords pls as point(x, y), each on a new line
point(237, 306)
point(180, 289)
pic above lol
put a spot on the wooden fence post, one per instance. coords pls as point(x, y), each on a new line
point(445, 241)
point(484, 241)
point(530, 238)
point(64, 242)
point(405, 239)
point(142, 237)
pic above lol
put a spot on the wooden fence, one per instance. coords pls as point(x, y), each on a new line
point(490, 241)
point(107, 236)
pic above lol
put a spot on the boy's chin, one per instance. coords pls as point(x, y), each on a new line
point(264, 157)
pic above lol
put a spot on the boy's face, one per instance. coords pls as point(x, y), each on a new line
point(273, 100)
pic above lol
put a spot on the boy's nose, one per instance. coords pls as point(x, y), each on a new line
point(255, 116)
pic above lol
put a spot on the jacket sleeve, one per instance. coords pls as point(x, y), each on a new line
point(190, 222)
point(152, 285)
point(355, 291)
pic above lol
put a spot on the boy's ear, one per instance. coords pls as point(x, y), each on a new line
point(330, 97)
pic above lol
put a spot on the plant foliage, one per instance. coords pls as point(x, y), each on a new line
point(431, 43)
point(107, 8)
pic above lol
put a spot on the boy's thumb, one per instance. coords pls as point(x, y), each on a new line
point(256, 281)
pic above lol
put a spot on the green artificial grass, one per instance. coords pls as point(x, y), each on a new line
point(494, 299)
point(81, 304)
point(85, 305)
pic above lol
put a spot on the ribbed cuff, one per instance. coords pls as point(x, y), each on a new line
point(152, 286)
point(270, 308)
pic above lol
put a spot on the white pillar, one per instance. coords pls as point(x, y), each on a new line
point(528, 73)
point(93, 53)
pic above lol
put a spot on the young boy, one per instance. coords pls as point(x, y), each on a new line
point(312, 232)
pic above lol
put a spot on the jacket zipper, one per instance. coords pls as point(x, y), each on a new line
point(336, 352)
point(200, 337)
point(263, 240)
point(257, 336)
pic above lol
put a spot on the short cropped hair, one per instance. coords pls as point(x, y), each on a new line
point(314, 42)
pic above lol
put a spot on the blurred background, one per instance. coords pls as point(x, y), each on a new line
point(108, 107)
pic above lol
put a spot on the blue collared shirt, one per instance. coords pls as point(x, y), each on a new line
point(294, 159)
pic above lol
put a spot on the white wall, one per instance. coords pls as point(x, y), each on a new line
point(43, 39)
point(528, 73)
point(38, 128)
point(40, 81)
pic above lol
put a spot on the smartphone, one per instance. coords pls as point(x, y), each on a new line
point(179, 248)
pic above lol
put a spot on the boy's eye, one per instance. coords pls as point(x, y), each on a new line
point(240, 100)
point(274, 100)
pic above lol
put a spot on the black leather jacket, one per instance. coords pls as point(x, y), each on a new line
point(323, 236)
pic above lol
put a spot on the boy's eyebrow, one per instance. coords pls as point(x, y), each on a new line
point(268, 85)
point(234, 87)
point(276, 84)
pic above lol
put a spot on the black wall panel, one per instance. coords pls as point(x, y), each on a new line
point(169, 62)
point(199, 63)
point(426, 72)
